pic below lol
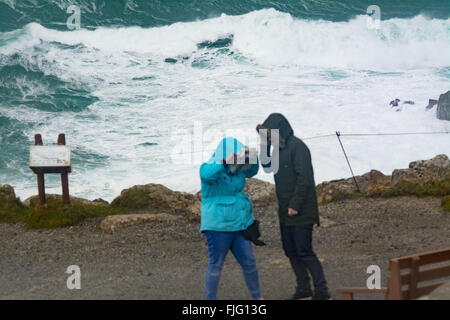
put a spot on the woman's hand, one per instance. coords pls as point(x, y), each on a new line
point(292, 212)
point(231, 159)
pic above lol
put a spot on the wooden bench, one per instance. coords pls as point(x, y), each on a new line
point(411, 272)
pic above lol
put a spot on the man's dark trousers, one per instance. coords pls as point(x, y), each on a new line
point(297, 245)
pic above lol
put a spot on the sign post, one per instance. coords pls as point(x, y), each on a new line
point(64, 174)
point(51, 159)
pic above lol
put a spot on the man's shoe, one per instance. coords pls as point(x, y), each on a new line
point(304, 294)
point(321, 295)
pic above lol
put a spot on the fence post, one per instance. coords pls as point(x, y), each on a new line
point(338, 134)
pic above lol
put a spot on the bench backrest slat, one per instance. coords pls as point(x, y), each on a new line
point(427, 275)
point(425, 258)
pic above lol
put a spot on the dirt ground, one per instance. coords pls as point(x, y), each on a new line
point(167, 260)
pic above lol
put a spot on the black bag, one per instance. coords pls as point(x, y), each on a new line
point(252, 234)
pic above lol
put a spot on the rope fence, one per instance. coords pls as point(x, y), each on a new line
point(339, 135)
point(336, 134)
point(375, 134)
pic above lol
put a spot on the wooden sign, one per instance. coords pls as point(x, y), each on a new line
point(49, 156)
point(51, 159)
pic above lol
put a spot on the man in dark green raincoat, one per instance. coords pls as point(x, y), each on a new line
point(297, 201)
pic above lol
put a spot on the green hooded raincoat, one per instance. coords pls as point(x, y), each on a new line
point(294, 181)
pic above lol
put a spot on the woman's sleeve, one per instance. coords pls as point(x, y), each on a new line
point(211, 171)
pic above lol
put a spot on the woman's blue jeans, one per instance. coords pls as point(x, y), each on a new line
point(219, 243)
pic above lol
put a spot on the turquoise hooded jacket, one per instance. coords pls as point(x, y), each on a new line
point(224, 206)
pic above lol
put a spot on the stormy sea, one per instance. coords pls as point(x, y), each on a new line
point(145, 89)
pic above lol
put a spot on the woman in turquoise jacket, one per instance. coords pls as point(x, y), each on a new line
point(225, 212)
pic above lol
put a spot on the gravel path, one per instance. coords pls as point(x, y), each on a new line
point(167, 260)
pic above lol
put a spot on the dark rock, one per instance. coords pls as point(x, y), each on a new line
point(443, 107)
point(394, 103)
point(219, 43)
point(170, 60)
point(408, 102)
point(431, 104)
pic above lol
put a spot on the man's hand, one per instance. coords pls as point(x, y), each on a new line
point(264, 135)
point(292, 212)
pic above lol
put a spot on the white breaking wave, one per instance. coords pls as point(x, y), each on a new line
point(277, 38)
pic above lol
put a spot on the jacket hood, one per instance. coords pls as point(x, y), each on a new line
point(225, 148)
point(278, 121)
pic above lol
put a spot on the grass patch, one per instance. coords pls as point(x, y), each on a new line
point(54, 214)
point(340, 196)
point(446, 203)
point(348, 195)
point(9, 213)
point(403, 188)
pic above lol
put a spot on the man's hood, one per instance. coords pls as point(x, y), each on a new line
point(225, 148)
point(278, 121)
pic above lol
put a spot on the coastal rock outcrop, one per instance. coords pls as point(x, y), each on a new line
point(339, 189)
point(378, 182)
point(193, 210)
point(424, 171)
point(153, 198)
point(262, 193)
point(423, 177)
point(8, 197)
point(420, 173)
point(443, 106)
